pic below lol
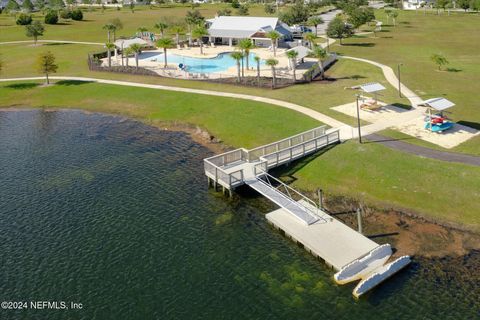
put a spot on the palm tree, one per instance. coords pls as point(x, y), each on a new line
point(110, 46)
point(257, 60)
point(136, 49)
point(117, 23)
point(110, 27)
point(315, 21)
point(274, 36)
point(320, 54)
point(292, 55)
point(177, 29)
point(162, 26)
point(128, 51)
point(310, 37)
point(165, 43)
point(246, 45)
point(237, 55)
point(272, 63)
point(198, 33)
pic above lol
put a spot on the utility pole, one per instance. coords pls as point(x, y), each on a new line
point(358, 121)
point(399, 83)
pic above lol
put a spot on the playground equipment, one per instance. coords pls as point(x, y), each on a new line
point(437, 122)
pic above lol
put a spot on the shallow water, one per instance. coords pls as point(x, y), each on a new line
point(116, 215)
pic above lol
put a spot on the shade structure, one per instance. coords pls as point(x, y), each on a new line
point(125, 43)
point(439, 104)
point(302, 51)
point(372, 87)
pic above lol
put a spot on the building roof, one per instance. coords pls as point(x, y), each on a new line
point(240, 26)
point(125, 43)
point(439, 104)
point(372, 87)
point(302, 51)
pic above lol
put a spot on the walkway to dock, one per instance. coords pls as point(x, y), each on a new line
point(353, 255)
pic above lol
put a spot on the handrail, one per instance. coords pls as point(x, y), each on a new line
point(286, 193)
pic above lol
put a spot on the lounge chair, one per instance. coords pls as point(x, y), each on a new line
point(371, 105)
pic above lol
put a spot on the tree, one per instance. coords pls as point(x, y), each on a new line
point(439, 60)
point(46, 64)
point(35, 30)
point(198, 33)
point(193, 18)
point(394, 15)
point(51, 17)
point(310, 37)
point(243, 10)
point(165, 43)
point(117, 23)
point(274, 36)
point(162, 26)
point(24, 19)
point(298, 13)
point(257, 60)
point(314, 22)
point(110, 46)
point(272, 63)
point(237, 56)
point(110, 29)
point(27, 6)
point(12, 5)
point(292, 56)
point(142, 29)
point(269, 8)
point(132, 6)
point(320, 54)
point(177, 29)
point(246, 45)
point(77, 15)
point(128, 51)
point(337, 29)
point(464, 4)
point(474, 5)
point(136, 49)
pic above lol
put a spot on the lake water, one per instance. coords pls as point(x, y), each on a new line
point(117, 216)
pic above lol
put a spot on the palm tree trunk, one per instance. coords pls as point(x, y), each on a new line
point(136, 60)
point(48, 81)
point(108, 36)
point(258, 73)
point(165, 57)
point(322, 70)
point(238, 71)
point(35, 40)
point(294, 75)
point(247, 54)
point(274, 80)
point(273, 47)
point(177, 38)
point(201, 48)
point(109, 58)
point(243, 74)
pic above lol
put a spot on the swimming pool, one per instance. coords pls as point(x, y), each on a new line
point(220, 63)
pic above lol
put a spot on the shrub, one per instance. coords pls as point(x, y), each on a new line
point(51, 17)
point(24, 19)
point(66, 14)
point(77, 15)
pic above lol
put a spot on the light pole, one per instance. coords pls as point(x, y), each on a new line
point(358, 120)
point(399, 83)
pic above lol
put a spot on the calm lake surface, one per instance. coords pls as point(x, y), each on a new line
point(117, 215)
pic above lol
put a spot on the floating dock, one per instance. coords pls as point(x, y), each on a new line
point(354, 256)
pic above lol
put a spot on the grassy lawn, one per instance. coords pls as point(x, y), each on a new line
point(238, 123)
point(19, 60)
point(90, 29)
point(377, 175)
point(415, 38)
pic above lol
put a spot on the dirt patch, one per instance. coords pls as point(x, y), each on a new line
point(408, 234)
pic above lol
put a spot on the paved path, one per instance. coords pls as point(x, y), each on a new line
point(425, 152)
point(54, 41)
point(326, 17)
point(345, 130)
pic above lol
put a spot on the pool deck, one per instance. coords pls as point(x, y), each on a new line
point(328, 239)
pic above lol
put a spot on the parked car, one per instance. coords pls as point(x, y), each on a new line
point(299, 30)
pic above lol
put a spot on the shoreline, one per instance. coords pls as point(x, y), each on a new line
point(410, 233)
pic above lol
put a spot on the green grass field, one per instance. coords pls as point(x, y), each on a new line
point(369, 172)
point(415, 38)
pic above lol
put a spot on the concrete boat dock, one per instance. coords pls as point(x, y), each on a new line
point(328, 239)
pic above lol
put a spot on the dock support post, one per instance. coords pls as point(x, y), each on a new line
point(320, 198)
point(208, 182)
point(359, 220)
point(230, 193)
point(223, 190)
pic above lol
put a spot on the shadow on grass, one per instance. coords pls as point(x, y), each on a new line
point(454, 70)
point(376, 138)
point(470, 124)
point(22, 86)
point(381, 235)
point(354, 77)
point(72, 82)
point(362, 44)
point(402, 106)
point(56, 44)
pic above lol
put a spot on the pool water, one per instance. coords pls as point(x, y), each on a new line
point(220, 63)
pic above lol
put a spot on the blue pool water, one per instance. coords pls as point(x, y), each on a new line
point(220, 63)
